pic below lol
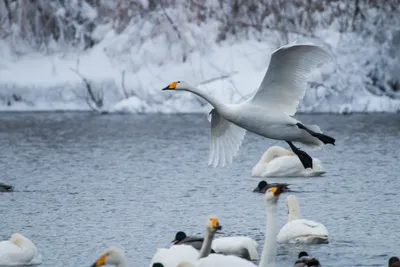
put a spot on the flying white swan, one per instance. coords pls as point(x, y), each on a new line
point(270, 245)
point(113, 256)
point(301, 230)
point(19, 250)
point(268, 112)
point(170, 257)
point(277, 161)
point(242, 246)
point(305, 260)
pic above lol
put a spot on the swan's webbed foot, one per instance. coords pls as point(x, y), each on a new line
point(305, 159)
point(322, 137)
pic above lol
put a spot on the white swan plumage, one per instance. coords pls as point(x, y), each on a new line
point(170, 257)
point(19, 250)
point(278, 161)
point(114, 256)
point(270, 245)
point(242, 246)
point(269, 111)
point(301, 230)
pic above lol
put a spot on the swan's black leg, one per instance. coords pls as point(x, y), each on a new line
point(305, 159)
point(322, 137)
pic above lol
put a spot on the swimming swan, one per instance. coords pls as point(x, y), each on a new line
point(170, 257)
point(305, 260)
point(113, 256)
point(19, 250)
point(301, 230)
point(270, 245)
point(241, 246)
point(268, 112)
point(277, 161)
point(263, 186)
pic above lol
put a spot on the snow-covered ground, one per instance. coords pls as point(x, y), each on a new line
point(230, 70)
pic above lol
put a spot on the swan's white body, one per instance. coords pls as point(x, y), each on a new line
point(277, 162)
point(19, 250)
point(218, 260)
point(236, 245)
point(268, 112)
point(269, 249)
point(301, 230)
point(114, 256)
point(171, 257)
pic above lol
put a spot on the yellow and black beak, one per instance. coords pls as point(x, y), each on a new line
point(277, 190)
point(215, 224)
point(171, 86)
point(100, 262)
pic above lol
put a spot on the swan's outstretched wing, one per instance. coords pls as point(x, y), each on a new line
point(284, 84)
point(226, 139)
point(241, 246)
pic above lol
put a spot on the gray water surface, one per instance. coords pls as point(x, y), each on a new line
point(86, 182)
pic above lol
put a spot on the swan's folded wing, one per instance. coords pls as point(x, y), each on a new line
point(241, 246)
point(11, 254)
point(301, 228)
point(217, 260)
point(226, 139)
point(171, 257)
point(285, 82)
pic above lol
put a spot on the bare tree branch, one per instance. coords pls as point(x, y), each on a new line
point(95, 97)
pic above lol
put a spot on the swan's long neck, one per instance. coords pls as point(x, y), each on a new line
point(293, 208)
point(209, 98)
point(269, 250)
point(206, 247)
point(272, 152)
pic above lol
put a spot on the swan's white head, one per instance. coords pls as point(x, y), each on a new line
point(272, 194)
point(212, 224)
point(177, 85)
point(112, 255)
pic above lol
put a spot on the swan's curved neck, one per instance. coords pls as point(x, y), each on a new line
point(209, 98)
point(269, 250)
point(122, 262)
point(274, 151)
point(206, 246)
point(293, 209)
